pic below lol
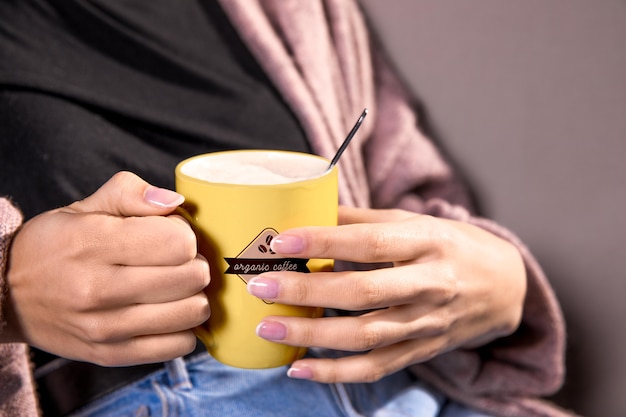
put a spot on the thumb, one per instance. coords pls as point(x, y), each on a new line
point(125, 194)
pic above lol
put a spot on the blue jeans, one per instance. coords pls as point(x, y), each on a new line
point(203, 387)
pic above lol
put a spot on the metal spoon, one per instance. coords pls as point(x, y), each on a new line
point(347, 140)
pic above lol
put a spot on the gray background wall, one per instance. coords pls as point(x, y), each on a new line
point(529, 98)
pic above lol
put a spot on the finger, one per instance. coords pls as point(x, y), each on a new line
point(369, 367)
point(139, 241)
point(355, 334)
point(373, 242)
point(140, 350)
point(125, 194)
point(358, 290)
point(151, 284)
point(143, 319)
point(351, 215)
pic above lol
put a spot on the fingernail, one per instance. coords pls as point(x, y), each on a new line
point(303, 372)
point(271, 330)
point(263, 288)
point(162, 197)
point(287, 244)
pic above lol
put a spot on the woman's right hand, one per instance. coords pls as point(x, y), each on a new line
point(114, 279)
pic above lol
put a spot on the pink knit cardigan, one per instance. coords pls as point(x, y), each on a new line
point(319, 55)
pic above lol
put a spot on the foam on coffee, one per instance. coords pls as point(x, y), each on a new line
point(255, 168)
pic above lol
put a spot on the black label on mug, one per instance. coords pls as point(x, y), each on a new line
point(250, 266)
point(258, 257)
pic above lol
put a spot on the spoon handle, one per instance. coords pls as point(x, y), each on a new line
point(347, 140)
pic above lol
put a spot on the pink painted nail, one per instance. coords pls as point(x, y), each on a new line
point(263, 288)
point(162, 197)
point(303, 372)
point(287, 244)
point(271, 330)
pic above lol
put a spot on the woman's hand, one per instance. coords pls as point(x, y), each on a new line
point(113, 279)
point(452, 285)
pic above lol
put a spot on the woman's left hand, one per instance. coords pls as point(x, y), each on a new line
point(452, 285)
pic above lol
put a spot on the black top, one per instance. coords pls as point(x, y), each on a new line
point(89, 88)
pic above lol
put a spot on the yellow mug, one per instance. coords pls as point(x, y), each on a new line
point(237, 201)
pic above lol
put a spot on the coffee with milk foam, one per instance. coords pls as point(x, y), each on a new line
point(255, 168)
